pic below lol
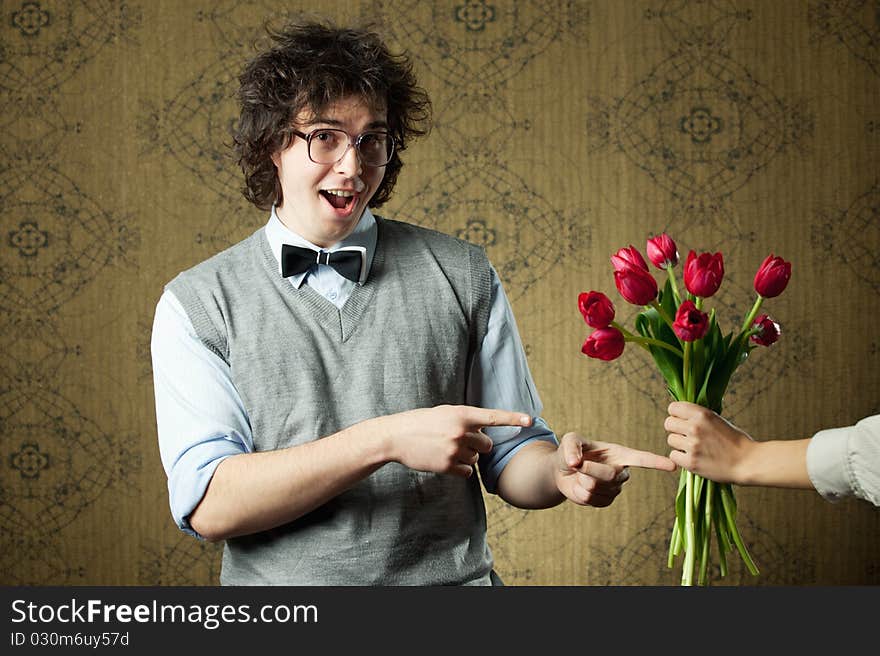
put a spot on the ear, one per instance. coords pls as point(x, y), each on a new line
point(276, 159)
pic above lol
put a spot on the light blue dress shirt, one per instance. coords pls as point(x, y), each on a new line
point(201, 418)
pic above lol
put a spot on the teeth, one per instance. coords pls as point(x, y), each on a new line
point(340, 192)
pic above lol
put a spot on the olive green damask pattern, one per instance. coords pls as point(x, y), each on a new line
point(63, 459)
point(563, 130)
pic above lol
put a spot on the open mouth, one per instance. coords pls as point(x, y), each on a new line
point(342, 201)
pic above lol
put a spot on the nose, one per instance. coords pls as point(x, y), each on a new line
point(350, 164)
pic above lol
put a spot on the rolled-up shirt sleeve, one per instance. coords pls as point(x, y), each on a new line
point(500, 378)
point(199, 414)
point(843, 462)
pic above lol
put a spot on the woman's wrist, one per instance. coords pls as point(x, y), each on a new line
point(751, 465)
point(775, 463)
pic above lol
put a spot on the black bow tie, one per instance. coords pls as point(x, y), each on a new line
point(296, 260)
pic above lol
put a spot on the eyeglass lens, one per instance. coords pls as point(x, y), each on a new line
point(328, 146)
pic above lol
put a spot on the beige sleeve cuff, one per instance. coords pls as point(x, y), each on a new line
point(845, 462)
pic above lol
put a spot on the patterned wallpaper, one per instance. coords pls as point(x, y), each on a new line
point(563, 131)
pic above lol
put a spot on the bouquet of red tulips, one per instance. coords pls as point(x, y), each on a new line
point(697, 360)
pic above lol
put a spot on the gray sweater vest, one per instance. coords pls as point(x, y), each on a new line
point(304, 370)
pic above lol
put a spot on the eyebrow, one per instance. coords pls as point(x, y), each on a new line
point(332, 121)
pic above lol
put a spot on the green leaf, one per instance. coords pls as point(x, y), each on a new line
point(698, 489)
point(680, 501)
point(707, 351)
point(720, 378)
point(643, 325)
point(650, 324)
point(667, 300)
point(727, 490)
point(727, 339)
point(712, 338)
point(702, 396)
point(721, 534)
point(674, 545)
point(730, 514)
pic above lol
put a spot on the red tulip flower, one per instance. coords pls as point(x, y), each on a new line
point(636, 285)
point(772, 276)
point(703, 273)
point(598, 310)
point(690, 323)
point(662, 251)
point(769, 332)
point(604, 344)
point(628, 258)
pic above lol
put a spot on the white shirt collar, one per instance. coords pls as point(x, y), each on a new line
point(364, 235)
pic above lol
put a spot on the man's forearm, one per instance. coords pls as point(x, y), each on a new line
point(528, 479)
point(257, 491)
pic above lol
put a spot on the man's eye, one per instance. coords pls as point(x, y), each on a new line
point(325, 137)
point(373, 141)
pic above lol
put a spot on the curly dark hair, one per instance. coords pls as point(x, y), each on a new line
point(308, 66)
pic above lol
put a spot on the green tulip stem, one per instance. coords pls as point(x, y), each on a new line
point(746, 331)
point(686, 369)
point(644, 342)
point(674, 543)
point(704, 557)
point(709, 487)
point(687, 573)
point(698, 355)
point(689, 380)
point(721, 535)
point(673, 285)
point(752, 314)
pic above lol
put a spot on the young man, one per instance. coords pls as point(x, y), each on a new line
point(322, 386)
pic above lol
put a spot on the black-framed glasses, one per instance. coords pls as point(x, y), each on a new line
point(329, 145)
